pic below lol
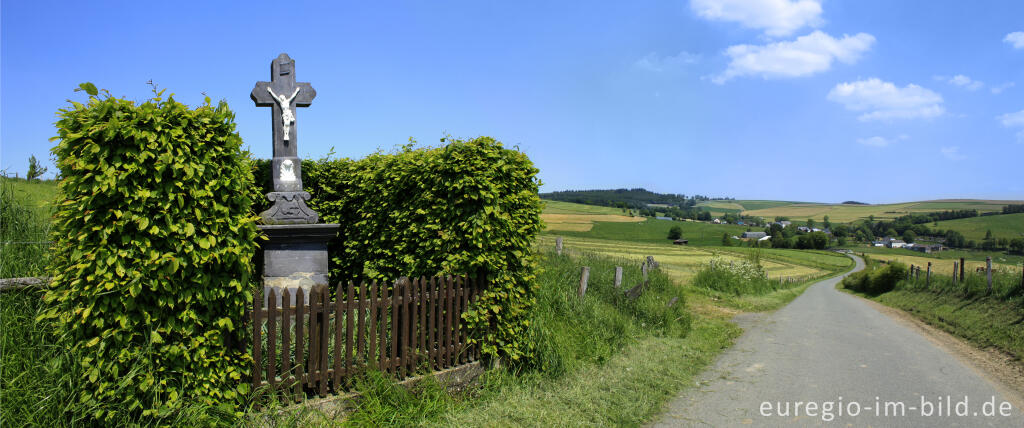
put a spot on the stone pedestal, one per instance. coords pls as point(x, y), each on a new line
point(294, 257)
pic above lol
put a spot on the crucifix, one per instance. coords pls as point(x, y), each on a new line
point(283, 94)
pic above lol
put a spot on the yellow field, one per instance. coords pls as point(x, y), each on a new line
point(941, 267)
point(681, 263)
point(571, 217)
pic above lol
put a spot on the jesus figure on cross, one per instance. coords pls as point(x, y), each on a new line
point(287, 116)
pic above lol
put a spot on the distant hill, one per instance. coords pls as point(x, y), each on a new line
point(632, 198)
point(849, 211)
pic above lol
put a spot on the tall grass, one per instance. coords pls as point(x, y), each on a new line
point(1006, 286)
point(570, 335)
point(24, 230)
point(746, 278)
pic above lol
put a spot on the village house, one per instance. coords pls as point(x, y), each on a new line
point(895, 243)
point(926, 248)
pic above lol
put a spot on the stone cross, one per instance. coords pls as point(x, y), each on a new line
point(283, 94)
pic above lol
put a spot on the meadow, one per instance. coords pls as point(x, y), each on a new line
point(24, 226)
point(1007, 226)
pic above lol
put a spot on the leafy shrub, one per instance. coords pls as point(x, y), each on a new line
point(876, 279)
point(152, 252)
point(466, 207)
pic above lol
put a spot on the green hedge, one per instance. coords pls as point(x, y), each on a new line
point(465, 207)
point(152, 252)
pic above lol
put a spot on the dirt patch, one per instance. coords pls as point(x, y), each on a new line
point(999, 368)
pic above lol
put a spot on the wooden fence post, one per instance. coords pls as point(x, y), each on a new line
point(584, 276)
point(910, 272)
point(962, 269)
point(643, 269)
point(618, 276)
point(928, 275)
point(558, 245)
point(988, 272)
point(955, 268)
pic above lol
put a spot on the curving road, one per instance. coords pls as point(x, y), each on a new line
point(834, 350)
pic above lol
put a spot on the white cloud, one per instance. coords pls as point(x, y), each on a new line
point(999, 89)
point(1016, 39)
point(1014, 120)
point(813, 53)
point(880, 141)
point(952, 153)
point(654, 62)
point(778, 18)
point(883, 100)
point(965, 82)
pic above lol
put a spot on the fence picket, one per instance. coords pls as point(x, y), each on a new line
point(286, 342)
point(393, 356)
point(272, 341)
point(325, 340)
point(349, 330)
point(361, 355)
point(314, 340)
point(339, 355)
point(300, 324)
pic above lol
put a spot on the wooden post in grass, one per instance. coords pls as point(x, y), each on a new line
point(988, 272)
point(618, 276)
point(584, 276)
point(558, 245)
point(917, 274)
point(962, 269)
point(928, 275)
point(643, 269)
point(910, 272)
point(955, 267)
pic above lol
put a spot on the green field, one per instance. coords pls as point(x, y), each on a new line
point(1007, 226)
point(656, 231)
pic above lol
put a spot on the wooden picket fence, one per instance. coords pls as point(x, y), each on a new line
point(400, 327)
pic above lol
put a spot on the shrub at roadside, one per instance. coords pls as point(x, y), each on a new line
point(152, 252)
point(875, 280)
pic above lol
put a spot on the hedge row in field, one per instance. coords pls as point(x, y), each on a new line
point(152, 252)
point(465, 207)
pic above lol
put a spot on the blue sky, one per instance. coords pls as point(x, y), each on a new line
point(878, 101)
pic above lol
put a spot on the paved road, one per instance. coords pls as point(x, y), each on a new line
point(830, 347)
